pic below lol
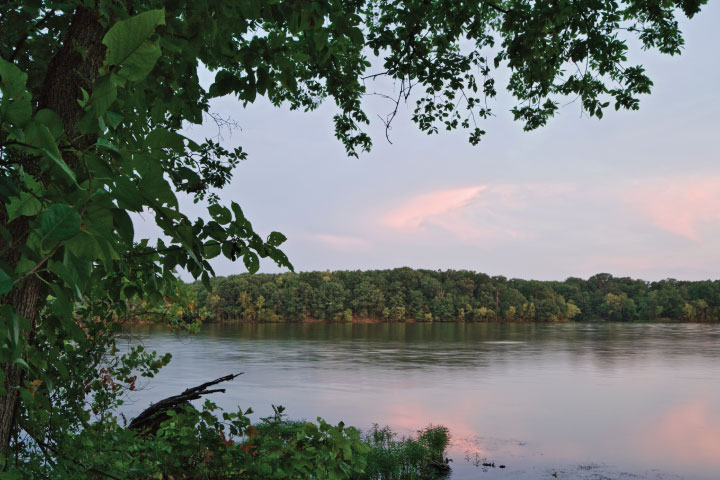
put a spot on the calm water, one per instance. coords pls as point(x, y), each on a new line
point(588, 401)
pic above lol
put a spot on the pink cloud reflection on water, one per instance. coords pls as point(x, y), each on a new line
point(408, 417)
point(687, 434)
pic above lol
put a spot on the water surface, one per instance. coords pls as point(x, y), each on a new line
point(584, 401)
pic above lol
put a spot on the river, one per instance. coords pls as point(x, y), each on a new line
point(579, 400)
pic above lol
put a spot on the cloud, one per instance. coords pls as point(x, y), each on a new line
point(430, 208)
point(681, 206)
point(443, 210)
point(470, 214)
point(342, 242)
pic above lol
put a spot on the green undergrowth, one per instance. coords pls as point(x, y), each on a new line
point(209, 444)
point(385, 454)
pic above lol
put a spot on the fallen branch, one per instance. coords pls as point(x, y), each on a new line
point(150, 419)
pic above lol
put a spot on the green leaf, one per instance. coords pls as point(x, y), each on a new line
point(127, 195)
point(17, 111)
point(239, 215)
point(105, 143)
point(57, 159)
point(26, 205)
point(104, 94)
point(16, 105)
point(12, 79)
point(206, 281)
point(22, 363)
point(123, 224)
point(80, 269)
point(221, 214)
point(127, 36)
point(212, 250)
point(163, 138)
point(51, 120)
point(215, 231)
point(6, 282)
point(153, 184)
point(276, 239)
point(251, 261)
point(113, 119)
point(141, 63)
point(39, 136)
point(24, 265)
point(33, 185)
point(60, 222)
point(84, 245)
point(227, 250)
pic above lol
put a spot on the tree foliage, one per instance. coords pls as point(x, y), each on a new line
point(405, 294)
point(96, 93)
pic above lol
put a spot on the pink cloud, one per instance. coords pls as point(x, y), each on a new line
point(442, 209)
point(342, 242)
point(430, 207)
point(681, 206)
point(492, 213)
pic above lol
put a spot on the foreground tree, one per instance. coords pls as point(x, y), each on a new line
point(94, 94)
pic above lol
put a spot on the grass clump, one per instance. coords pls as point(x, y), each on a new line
point(421, 457)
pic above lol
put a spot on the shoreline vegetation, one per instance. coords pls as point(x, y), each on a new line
point(410, 295)
point(274, 445)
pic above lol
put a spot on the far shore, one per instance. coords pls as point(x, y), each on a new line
point(370, 320)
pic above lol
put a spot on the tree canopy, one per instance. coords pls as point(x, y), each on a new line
point(96, 92)
point(405, 294)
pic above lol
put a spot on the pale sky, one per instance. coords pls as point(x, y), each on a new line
point(636, 193)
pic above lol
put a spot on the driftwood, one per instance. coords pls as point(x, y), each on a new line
point(150, 419)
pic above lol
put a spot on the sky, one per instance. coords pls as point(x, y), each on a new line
point(634, 194)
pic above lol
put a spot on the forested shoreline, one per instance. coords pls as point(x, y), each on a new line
point(407, 295)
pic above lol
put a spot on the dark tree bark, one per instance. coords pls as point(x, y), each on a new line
point(74, 66)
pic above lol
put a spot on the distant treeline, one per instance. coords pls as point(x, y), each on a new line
point(404, 294)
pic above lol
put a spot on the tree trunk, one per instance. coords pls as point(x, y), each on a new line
point(75, 65)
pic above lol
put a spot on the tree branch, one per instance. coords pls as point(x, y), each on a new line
point(497, 7)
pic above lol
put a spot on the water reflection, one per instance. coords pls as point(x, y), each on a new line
point(579, 399)
point(687, 433)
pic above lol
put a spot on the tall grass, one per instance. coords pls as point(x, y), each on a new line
point(421, 457)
